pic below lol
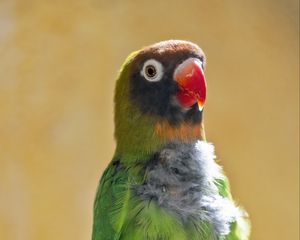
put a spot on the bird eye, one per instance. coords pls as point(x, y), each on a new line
point(152, 70)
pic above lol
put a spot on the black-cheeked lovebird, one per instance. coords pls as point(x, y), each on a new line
point(163, 182)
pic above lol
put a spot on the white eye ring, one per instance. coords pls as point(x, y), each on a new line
point(152, 70)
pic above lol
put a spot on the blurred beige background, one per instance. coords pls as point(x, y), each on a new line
point(58, 62)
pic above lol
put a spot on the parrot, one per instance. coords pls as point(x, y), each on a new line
point(164, 182)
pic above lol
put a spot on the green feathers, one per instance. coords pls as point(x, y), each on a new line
point(163, 184)
point(134, 131)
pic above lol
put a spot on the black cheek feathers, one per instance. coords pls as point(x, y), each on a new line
point(153, 98)
point(157, 98)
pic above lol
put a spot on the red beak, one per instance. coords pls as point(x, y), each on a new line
point(192, 84)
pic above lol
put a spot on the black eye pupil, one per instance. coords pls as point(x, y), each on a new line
point(150, 71)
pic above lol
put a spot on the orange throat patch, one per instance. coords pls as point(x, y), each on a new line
point(185, 132)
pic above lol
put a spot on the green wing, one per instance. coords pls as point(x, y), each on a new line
point(110, 207)
point(101, 226)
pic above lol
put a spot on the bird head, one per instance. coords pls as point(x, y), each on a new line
point(160, 95)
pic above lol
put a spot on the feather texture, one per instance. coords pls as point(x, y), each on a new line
point(163, 184)
point(177, 194)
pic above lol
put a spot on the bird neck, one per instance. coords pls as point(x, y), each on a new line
point(139, 136)
point(184, 132)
